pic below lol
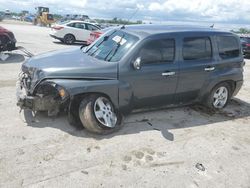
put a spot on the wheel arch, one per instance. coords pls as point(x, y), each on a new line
point(204, 94)
point(69, 34)
point(80, 96)
point(75, 101)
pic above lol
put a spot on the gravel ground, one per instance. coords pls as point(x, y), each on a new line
point(158, 148)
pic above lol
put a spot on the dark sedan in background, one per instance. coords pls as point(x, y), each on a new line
point(245, 41)
point(7, 40)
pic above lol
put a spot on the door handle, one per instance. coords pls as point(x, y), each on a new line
point(209, 68)
point(168, 73)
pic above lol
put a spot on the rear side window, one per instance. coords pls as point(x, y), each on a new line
point(228, 47)
point(197, 48)
point(71, 24)
point(77, 25)
point(80, 25)
point(158, 51)
point(92, 27)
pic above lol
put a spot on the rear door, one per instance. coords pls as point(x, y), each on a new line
point(81, 31)
point(197, 63)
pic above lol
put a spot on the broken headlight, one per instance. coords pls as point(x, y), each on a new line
point(51, 89)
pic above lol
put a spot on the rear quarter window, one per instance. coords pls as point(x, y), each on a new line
point(71, 25)
point(92, 27)
point(228, 47)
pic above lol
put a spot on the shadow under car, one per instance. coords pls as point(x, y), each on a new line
point(161, 120)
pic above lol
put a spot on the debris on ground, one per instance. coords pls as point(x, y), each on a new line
point(200, 166)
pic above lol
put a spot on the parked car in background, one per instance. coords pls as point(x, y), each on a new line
point(134, 67)
point(245, 42)
point(29, 18)
point(2, 14)
point(94, 22)
point(93, 36)
point(70, 32)
point(15, 17)
point(7, 40)
point(69, 17)
point(96, 34)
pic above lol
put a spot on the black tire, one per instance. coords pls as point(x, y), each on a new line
point(90, 121)
point(69, 39)
point(209, 102)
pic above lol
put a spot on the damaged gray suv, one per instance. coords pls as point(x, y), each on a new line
point(130, 68)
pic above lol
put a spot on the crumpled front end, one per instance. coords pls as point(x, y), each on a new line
point(45, 96)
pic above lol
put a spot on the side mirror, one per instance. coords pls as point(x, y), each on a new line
point(137, 63)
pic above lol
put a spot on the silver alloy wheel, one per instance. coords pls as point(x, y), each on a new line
point(220, 97)
point(104, 112)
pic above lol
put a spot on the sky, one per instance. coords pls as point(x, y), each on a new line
point(210, 11)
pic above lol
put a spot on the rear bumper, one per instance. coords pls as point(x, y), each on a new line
point(237, 87)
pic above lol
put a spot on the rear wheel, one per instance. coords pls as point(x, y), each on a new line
point(69, 39)
point(98, 115)
point(219, 96)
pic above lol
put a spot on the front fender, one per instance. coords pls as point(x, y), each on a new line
point(75, 87)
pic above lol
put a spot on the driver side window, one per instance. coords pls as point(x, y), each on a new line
point(158, 51)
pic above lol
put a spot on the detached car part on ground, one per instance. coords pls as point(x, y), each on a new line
point(7, 40)
point(131, 68)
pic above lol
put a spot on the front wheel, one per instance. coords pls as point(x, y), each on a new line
point(98, 115)
point(219, 96)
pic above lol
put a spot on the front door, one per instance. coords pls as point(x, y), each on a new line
point(155, 83)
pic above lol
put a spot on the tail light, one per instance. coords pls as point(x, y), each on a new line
point(57, 27)
point(247, 44)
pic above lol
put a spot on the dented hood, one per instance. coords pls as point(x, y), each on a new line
point(69, 63)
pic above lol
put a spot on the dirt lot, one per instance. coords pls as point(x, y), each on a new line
point(154, 149)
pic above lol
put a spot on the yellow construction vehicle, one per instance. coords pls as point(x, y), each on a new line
point(43, 17)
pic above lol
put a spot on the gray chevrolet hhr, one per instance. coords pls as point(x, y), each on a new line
point(134, 67)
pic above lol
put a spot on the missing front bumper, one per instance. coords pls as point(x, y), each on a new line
point(37, 103)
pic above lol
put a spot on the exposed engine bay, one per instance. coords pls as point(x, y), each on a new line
point(46, 97)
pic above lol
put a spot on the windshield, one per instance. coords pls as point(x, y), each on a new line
point(112, 46)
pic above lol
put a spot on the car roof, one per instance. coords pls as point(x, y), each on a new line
point(77, 21)
point(151, 29)
point(73, 21)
